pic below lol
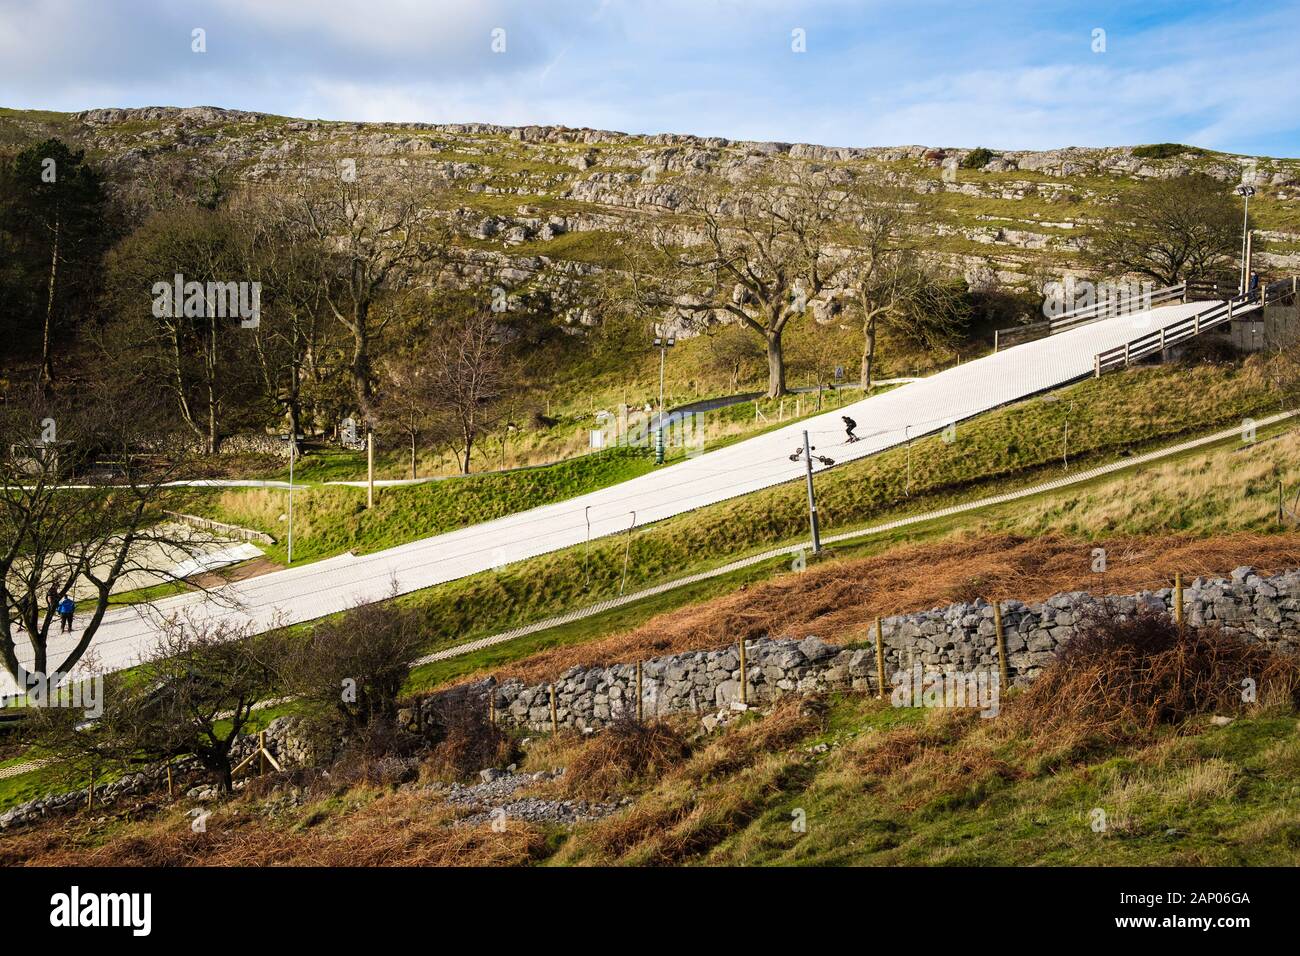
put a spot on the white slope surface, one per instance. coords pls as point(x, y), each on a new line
point(313, 590)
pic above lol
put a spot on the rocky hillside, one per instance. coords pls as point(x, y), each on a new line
point(539, 202)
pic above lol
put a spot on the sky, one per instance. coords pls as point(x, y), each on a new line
point(1035, 74)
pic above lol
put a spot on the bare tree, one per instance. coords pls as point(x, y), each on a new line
point(886, 280)
point(1171, 230)
point(468, 371)
point(765, 254)
point(904, 295)
point(377, 232)
point(292, 337)
point(190, 349)
point(192, 697)
point(735, 352)
point(203, 686)
point(407, 403)
point(81, 541)
point(352, 667)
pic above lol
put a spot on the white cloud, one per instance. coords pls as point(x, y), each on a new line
point(886, 71)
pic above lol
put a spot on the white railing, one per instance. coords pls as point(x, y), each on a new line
point(230, 530)
point(1105, 309)
point(1213, 315)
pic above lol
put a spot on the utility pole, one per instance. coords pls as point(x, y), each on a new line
point(812, 497)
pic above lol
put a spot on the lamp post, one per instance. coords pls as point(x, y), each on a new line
point(1245, 192)
point(293, 454)
point(663, 343)
point(907, 492)
point(511, 427)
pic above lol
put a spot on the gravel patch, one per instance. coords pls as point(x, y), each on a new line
point(494, 799)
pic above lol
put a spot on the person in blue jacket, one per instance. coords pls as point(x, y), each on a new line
point(67, 607)
point(1252, 290)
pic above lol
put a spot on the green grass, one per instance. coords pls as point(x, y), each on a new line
point(28, 786)
point(332, 520)
point(1202, 796)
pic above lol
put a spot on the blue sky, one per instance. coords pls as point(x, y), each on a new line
point(1224, 75)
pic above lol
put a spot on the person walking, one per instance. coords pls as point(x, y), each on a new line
point(849, 425)
point(1252, 291)
point(67, 607)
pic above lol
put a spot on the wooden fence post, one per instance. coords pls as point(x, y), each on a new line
point(171, 792)
point(1002, 644)
point(880, 660)
point(261, 751)
point(1178, 600)
point(555, 721)
point(492, 708)
point(744, 691)
point(90, 794)
point(638, 692)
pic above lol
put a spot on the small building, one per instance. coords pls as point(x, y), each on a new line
point(1275, 326)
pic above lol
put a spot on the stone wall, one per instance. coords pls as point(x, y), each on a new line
point(960, 637)
point(282, 740)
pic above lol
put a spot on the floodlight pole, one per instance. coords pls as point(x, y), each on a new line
point(1245, 192)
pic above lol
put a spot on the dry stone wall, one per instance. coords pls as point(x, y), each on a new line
point(960, 637)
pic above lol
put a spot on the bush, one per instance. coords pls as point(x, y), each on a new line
point(1125, 676)
point(1164, 150)
point(626, 751)
point(467, 743)
point(1210, 349)
point(353, 667)
point(977, 158)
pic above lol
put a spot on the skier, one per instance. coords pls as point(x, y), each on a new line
point(849, 425)
point(67, 607)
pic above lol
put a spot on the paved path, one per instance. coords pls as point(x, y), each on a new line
point(886, 420)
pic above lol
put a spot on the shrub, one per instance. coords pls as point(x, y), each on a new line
point(1125, 676)
point(626, 751)
point(1164, 150)
point(977, 158)
point(353, 667)
point(467, 743)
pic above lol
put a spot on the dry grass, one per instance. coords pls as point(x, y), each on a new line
point(628, 751)
point(838, 601)
point(469, 742)
point(408, 828)
point(1224, 488)
point(710, 796)
point(1119, 679)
